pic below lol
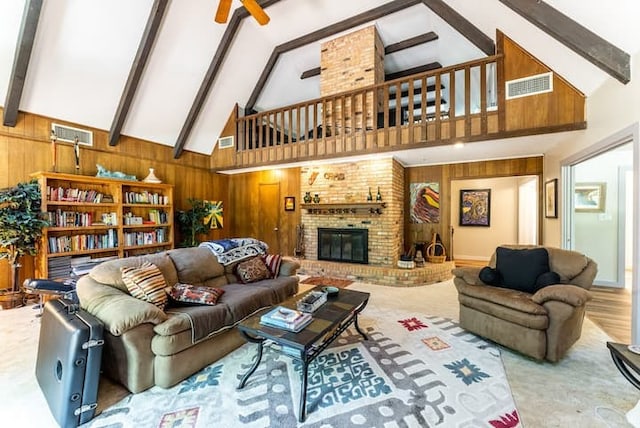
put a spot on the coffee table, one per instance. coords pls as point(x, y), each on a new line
point(329, 321)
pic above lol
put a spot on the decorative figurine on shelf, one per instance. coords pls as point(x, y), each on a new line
point(369, 196)
point(316, 198)
point(76, 152)
point(307, 197)
point(378, 195)
point(151, 178)
point(54, 151)
point(103, 172)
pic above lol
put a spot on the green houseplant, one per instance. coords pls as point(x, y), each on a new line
point(21, 224)
point(191, 222)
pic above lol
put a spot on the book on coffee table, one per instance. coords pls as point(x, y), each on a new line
point(285, 318)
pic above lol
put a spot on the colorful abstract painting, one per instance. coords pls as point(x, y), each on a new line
point(214, 218)
point(475, 207)
point(425, 202)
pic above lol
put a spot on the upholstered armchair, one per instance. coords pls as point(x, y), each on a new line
point(542, 321)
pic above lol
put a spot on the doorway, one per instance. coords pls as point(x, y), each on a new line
point(269, 215)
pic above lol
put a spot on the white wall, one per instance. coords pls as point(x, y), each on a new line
point(478, 243)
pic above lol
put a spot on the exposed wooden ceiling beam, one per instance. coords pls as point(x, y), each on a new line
point(26, 38)
point(411, 42)
point(137, 68)
point(579, 39)
point(212, 72)
point(411, 71)
point(395, 47)
point(338, 27)
point(462, 25)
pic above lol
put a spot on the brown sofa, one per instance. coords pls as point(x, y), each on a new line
point(146, 346)
point(542, 325)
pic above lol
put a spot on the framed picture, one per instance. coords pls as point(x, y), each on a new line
point(289, 203)
point(590, 197)
point(475, 207)
point(551, 198)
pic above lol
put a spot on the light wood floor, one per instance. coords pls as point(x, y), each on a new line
point(610, 308)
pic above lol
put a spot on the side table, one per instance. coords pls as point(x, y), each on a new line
point(626, 361)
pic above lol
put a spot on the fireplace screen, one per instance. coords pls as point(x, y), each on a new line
point(343, 245)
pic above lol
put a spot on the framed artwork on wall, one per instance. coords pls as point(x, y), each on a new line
point(551, 198)
point(424, 202)
point(475, 207)
point(590, 197)
point(289, 203)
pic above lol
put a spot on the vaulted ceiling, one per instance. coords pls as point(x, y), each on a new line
point(164, 71)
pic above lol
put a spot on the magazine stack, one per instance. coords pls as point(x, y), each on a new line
point(286, 319)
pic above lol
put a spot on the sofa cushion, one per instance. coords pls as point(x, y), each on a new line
point(520, 268)
point(199, 321)
point(199, 295)
point(195, 265)
point(146, 283)
point(568, 264)
point(252, 270)
point(109, 273)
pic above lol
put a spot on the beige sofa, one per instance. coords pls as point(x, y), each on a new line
point(542, 325)
point(146, 346)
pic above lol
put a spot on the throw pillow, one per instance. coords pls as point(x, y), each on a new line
point(273, 262)
point(146, 283)
point(252, 270)
point(201, 295)
point(546, 279)
point(490, 276)
point(520, 268)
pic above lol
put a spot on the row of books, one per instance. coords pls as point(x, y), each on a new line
point(286, 318)
point(145, 198)
point(145, 238)
point(64, 244)
point(60, 218)
point(77, 195)
point(158, 217)
point(68, 267)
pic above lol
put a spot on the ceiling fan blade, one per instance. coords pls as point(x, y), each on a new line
point(222, 14)
point(256, 11)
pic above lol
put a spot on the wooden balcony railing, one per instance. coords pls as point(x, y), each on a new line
point(431, 108)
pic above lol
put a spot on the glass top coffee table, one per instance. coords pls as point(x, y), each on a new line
point(329, 321)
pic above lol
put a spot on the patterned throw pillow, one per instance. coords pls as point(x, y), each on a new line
point(146, 283)
point(201, 295)
point(273, 262)
point(252, 270)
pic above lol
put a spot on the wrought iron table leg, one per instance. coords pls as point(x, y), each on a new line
point(254, 367)
point(303, 392)
point(355, 323)
point(620, 364)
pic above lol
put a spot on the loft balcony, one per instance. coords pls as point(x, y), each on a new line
point(464, 102)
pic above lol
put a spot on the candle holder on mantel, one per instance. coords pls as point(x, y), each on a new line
point(151, 178)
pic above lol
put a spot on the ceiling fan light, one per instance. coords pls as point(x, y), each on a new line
point(222, 13)
point(256, 11)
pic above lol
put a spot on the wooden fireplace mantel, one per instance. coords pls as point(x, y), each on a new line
point(345, 208)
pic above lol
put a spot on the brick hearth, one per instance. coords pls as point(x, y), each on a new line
point(430, 273)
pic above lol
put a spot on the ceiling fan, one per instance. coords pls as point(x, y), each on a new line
point(252, 6)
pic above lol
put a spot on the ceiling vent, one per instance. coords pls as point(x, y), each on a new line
point(226, 142)
point(68, 134)
point(532, 85)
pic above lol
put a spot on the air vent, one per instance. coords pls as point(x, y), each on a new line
point(532, 85)
point(68, 134)
point(226, 142)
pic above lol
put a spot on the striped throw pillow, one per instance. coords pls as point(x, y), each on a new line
point(146, 283)
point(273, 262)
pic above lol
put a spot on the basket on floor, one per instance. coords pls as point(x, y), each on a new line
point(431, 253)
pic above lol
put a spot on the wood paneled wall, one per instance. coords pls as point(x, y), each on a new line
point(26, 148)
point(244, 194)
point(443, 174)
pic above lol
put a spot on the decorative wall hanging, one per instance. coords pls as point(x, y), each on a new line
point(289, 203)
point(214, 218)
point(424, 202)
point(475, 207)
point(551, 198)
point(590, 197)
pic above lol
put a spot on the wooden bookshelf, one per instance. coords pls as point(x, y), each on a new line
point(95, 217)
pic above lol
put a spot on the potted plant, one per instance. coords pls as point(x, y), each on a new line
point(191, 222)
point(21, 224)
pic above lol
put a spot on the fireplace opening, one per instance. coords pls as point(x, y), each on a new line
point(343, 245)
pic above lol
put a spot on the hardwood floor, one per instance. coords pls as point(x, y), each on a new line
point(609, 308)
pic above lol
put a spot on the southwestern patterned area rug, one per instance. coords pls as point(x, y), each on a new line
point(328, 281)
point(414, 371)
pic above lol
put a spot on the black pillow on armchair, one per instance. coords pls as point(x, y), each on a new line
point(520, 268)
point(490, 276)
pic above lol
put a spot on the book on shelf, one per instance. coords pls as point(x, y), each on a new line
point(286, 318)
